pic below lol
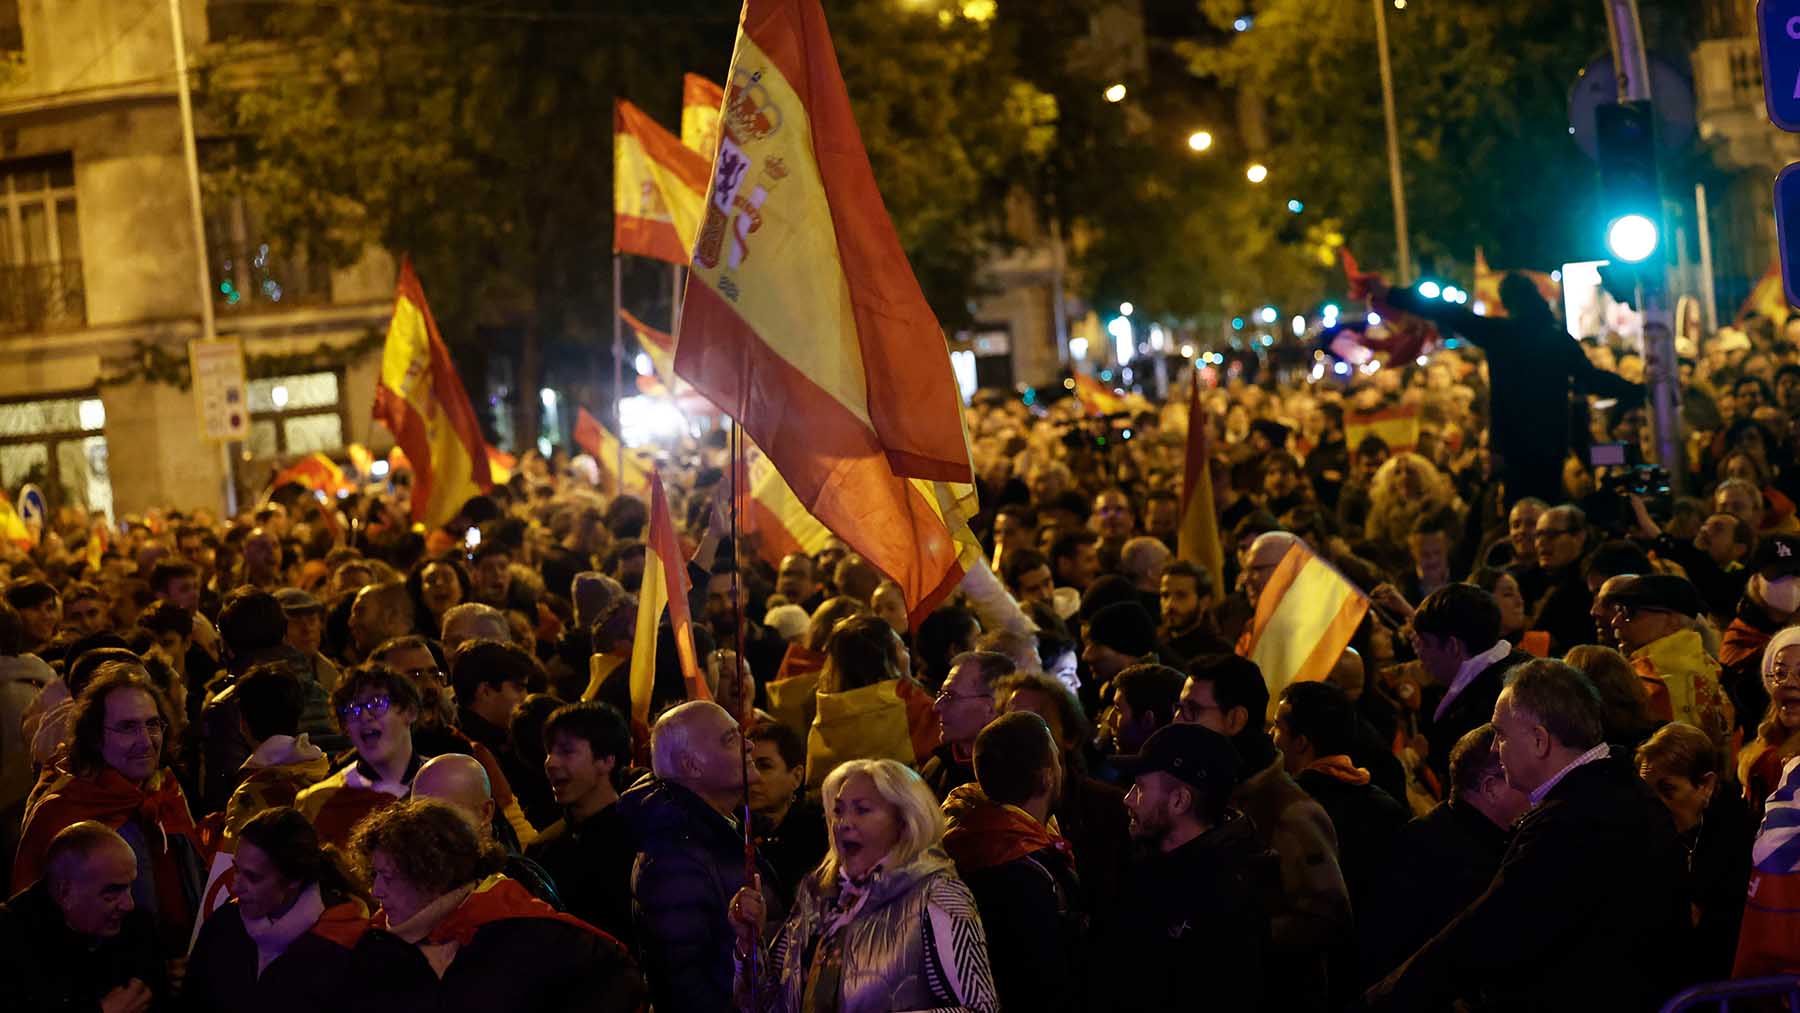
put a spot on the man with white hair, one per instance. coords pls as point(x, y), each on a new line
point(474, 621)
point(1141, 561)
point(690, 856)
point(1262, 559)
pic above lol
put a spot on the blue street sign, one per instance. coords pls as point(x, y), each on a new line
point(1787, 229)
point(1779, 24)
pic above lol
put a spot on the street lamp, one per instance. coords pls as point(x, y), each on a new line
point(1257, 172)
point(1631, 238)
point(1115, 93)
point(1200, 140)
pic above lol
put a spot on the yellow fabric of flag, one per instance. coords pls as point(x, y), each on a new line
point(1198, 541)
point(803, 320)
point(1397, 427)
point(1768, 299)
point(700, 102)
point(1305, 617)
point(665, 586)
point(420, 399)
point(659, 188)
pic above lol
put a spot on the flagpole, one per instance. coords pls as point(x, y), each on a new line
point(674, 304)
point(737, 599)
point(618, 379)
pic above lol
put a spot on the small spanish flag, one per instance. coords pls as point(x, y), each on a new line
point(1199, 538)
point(12, 527)
point(1095, 397)
point(315, 471)
point(1305, 617)
point(603, 447)
point(1398, 427)
point(660, 347)
point(1768, 299)
point(665, 586)
point(659, 188)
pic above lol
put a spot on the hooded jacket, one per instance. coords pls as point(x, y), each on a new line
point(690, 864)
point(1022, 874)
point(902, 939)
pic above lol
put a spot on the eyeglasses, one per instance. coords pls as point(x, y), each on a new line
point(132, 729)
point(946, 696)
point(373, 707)
point(431, 673)
point(1782, 673)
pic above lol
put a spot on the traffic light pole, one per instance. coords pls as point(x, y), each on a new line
point(1661, 371)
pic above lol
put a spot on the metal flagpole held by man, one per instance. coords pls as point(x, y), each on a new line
point(618, 350)
point(1396, 184)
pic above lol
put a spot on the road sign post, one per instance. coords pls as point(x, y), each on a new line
point(1778, 24)
point(222, 399)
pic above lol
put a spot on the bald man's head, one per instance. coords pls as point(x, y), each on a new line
point(460, 780)
point(88, 871)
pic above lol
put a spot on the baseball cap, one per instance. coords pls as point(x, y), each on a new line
point(1664, 592)
point(298, 602)
point(1776, 556)
point(1194, 754)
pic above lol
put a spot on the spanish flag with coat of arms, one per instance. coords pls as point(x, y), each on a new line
point(804, 322)
point(421, 400)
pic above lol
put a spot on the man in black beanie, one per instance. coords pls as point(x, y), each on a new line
point(1120, 635)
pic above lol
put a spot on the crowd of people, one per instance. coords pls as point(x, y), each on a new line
point(314, 757)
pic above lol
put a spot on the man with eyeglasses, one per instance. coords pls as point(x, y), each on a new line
point(1563, 611)
point(964, 707)
point(377, 707)
point(115, 776)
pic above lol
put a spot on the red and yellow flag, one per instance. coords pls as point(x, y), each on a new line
point(1198, 541)
point(700, 102)
point(12, 527)
point(769, 512)
point(420, 399)
point(1768, 299)
point(658, 188)
point(603, 447)
point(1305, 617)
point(315, 471)
point(804, 322)
point(659, 346)
point(1398, 427)
point(665, 585)
point(1096, 398)
point(1487, 286)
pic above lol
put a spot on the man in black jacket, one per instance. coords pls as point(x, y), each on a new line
point(1563, 610)
point(1532, 366)
point(589, 852)
point(1192, 920)
point(1588, 909)
point(690, 859)
point(1440, 862)
point(74, 939)
point(1456, 635)
point(1021, 872)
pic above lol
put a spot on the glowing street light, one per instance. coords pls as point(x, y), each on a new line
point(1200, 140)
point(1631, 238)
point(1267, 314)
point(1115, 93)
point(1430, 289)
point(1125, 309)
point(1257, 172)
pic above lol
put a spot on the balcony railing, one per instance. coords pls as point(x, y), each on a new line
point(41, 297)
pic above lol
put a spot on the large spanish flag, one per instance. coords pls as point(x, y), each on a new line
point(420, 399)
point(1487, 286)
point(1198, 541)
point(665, 586)
point(603, 447)
point(804, 322)
point(1096, 398)
point(1305, 617)
point(1398, 427)
point(658, 187)
point(700, 102)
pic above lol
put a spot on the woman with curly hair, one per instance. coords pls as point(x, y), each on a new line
point(1405, 488)
point(454, 935)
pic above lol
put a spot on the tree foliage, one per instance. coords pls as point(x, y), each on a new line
point(1482, 93)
